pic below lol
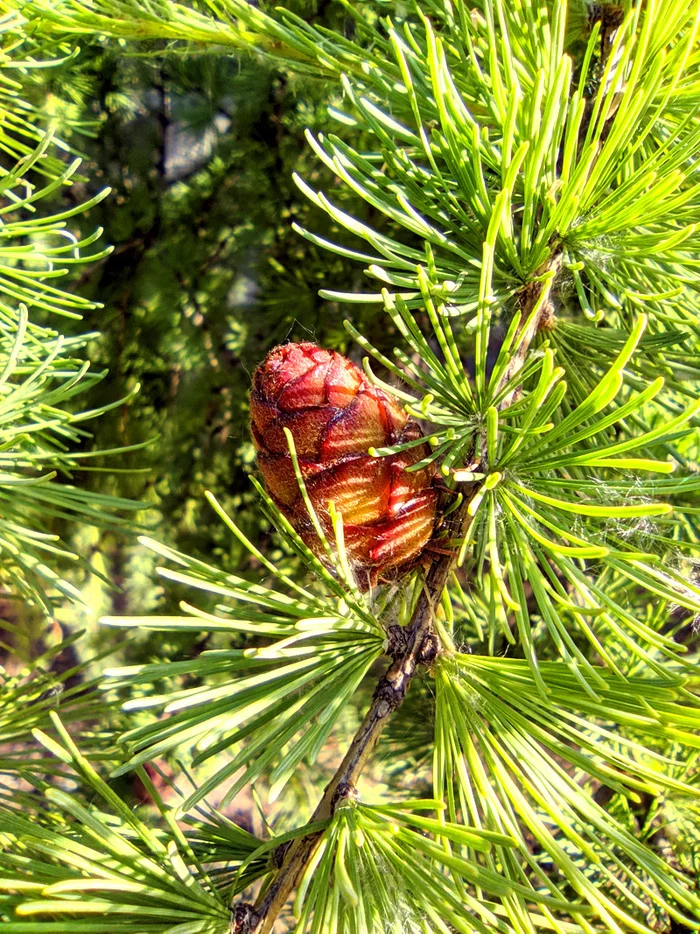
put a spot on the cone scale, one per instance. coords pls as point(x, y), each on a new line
point(335, 415)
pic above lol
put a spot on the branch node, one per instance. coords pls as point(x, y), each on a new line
point(397, 639)
point(429, 650)
point(345, 791)
point(244, 919)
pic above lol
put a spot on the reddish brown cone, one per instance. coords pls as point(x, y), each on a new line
point(335, 415)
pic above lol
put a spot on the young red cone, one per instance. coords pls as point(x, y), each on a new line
point(335, 415)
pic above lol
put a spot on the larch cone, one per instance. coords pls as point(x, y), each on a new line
point(335, 415)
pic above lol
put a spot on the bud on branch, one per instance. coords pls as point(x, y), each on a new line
point(335, 415)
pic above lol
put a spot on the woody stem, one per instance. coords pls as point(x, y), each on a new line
point(388, 696)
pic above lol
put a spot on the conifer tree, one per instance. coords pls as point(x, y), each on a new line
point(531, 170)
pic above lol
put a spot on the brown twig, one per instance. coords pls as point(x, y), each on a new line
point(417, 647)
point(537, 311)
